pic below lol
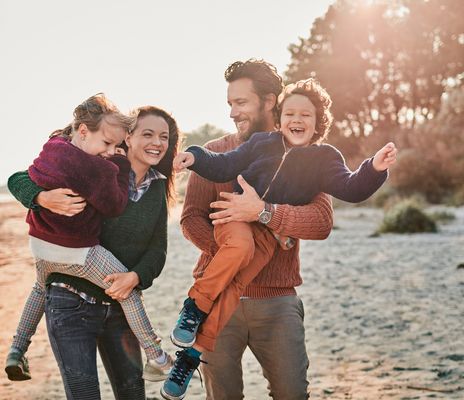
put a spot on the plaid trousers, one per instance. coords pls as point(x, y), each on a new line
point(98, 264)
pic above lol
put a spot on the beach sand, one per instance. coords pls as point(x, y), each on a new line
point(384, 316)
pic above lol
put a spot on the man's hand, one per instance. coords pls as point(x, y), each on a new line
point(122, 284)
point(61, 201)
point(243, 207)
point(182, 161)
point(385, 157)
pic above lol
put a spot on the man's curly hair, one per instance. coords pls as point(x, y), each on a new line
point(264, 76)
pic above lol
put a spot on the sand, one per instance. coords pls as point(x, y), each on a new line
point(384, 316)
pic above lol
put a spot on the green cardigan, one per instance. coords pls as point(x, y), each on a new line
point(138, 237)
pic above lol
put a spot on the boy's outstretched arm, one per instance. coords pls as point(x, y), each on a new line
point(385, 157)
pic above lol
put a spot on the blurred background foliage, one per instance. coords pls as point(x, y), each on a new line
point(394, 70)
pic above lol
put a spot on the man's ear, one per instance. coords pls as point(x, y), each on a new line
point(270, 101)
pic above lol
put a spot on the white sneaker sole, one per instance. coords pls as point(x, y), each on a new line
point(154, 378)
point(166, 396)
point(182, 345)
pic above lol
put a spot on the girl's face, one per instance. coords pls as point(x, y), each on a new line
point(148, 143)
point(298, 120)
point(102, 142)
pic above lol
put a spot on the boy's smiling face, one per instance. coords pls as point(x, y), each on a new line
point(298, 120)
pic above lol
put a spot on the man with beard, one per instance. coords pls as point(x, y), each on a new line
point(269, 319)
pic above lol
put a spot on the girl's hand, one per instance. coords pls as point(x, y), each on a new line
point(385, 157)
point(182, 161)
point(119, 150)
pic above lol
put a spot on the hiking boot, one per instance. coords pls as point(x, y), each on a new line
point(285, 242)
point(156, 372)
point(190, 318)
point(175, 386)
point(17, 366)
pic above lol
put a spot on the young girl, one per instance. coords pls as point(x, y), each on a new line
point(88, 165)
point(287, 167)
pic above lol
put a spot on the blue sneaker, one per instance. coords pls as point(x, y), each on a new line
point(190, 318)
point(175, 385)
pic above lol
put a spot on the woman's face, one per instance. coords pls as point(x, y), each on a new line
point(149, 141)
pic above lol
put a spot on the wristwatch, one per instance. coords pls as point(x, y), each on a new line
point(266, 214)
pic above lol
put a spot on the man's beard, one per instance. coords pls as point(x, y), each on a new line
point(257, 125)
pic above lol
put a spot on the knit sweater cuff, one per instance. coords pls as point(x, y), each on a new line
point(373, 174)
point(24, 190)
point(276, 219)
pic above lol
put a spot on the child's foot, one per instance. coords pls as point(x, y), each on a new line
point(17, 366)
point(190, 318)
point(158, 369)
point(175, 386)
point(285, 242)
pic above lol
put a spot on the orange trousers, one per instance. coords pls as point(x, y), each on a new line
point(244, 250)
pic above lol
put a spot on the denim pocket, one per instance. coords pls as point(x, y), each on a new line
point(61, 304)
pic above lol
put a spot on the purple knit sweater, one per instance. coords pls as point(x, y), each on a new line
point(102, 182)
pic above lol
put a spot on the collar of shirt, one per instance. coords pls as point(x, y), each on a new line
point(136, 192)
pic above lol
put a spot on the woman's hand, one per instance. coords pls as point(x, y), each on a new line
point(122, 284)
point(61, 201)
point(243, 207)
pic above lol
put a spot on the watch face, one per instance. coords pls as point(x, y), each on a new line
point(264, 216)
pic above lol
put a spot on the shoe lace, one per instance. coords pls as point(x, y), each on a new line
point(190, 320)
point(184, 366)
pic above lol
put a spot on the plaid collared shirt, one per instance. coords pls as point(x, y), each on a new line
point(136, 192)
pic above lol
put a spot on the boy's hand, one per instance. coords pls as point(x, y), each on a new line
point(182, 161)
point(385, 157)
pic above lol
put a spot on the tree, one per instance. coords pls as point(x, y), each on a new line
point(433, 162)
point(203, 134)
point(385, 63)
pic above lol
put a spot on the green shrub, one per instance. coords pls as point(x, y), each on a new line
point(456, 199)
point(407, 217)
point(442, 216)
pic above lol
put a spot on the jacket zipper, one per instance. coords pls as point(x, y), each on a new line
point(278, 168)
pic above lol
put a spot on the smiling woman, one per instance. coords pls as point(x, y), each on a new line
point(136, 235)
point(155, 135)
point(148, 143)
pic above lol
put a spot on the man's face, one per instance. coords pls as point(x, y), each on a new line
point(246, 108)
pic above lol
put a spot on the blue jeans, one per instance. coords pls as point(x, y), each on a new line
point(76, 329)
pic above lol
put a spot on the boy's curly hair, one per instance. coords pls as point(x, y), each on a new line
point(321, 100)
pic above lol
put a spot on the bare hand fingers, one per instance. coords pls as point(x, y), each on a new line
point(227, 195)
point(222, 221)
point(220, 204)
point(219, 215)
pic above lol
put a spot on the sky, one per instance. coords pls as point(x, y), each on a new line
point(172, 54)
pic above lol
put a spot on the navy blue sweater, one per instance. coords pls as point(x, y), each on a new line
point(304, 171)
